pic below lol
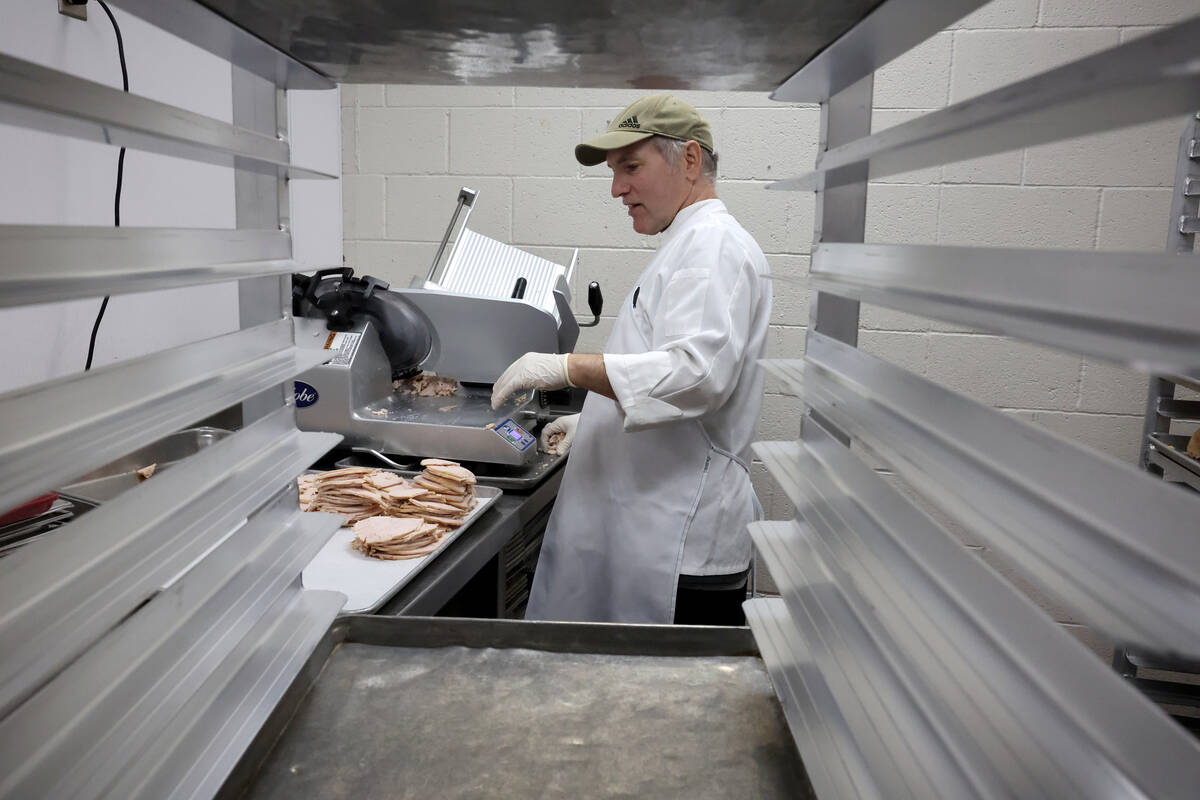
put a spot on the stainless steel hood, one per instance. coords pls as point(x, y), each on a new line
point(708, 44)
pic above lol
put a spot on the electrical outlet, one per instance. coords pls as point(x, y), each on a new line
point(76, 10)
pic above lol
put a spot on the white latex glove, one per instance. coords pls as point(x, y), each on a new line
point(563, 425)
point(531, 371)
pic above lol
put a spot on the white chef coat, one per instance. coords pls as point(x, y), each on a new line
point(658, 481)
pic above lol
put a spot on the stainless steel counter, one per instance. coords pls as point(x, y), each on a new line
point(448, 708)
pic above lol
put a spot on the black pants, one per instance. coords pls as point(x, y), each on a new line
point(711, 599)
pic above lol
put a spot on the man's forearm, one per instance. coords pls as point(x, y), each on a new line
point(586, 370)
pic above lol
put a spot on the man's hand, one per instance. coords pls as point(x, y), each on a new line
point(531, 371)
point(559, 434)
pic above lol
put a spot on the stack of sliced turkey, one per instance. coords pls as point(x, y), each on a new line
point(396, 538)
point(394, 518)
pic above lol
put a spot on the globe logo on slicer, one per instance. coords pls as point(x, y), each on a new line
point(305, 395)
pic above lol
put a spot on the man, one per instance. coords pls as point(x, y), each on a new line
point(650, 522)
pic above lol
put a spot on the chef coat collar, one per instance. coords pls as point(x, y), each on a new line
point(688, 213)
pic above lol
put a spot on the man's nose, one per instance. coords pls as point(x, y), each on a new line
point(618, 187)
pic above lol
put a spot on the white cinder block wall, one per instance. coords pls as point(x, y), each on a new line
point(408, 149)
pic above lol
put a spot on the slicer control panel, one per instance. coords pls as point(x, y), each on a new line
point(517, 437)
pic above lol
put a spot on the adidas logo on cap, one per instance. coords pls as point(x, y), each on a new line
point(631, 122)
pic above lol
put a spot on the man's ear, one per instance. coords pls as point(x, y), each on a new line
point(692, 160)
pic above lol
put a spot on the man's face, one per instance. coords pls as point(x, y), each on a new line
point(647, 184)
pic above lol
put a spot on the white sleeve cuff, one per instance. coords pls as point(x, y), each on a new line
point(633, 376)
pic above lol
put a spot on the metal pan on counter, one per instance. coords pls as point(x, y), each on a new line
point(518, 478)
point(105, 483)
point(451, 708)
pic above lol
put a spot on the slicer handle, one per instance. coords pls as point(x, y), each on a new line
point(595, 305)
point(518, 292)
point(466, 197)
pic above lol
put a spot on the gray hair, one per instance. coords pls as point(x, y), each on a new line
point(672, 151)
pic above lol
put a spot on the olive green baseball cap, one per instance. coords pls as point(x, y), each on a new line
point(659, 114)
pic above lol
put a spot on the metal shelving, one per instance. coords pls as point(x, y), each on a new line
point(907, 667)
point(1149, 78)
point(1162, 453)
point(58, 262)
point(1165, 454)
point(63, 428)
point(145, 642)
point(40, 98)
point(916, 639)
point(1079, 301)
point(887, 32)
point(1080, 538)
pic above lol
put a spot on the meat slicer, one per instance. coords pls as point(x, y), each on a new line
point(493, 304)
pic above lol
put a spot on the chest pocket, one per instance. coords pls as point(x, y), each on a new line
point(683, 303)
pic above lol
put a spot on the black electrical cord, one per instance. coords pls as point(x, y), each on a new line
point(120, 178)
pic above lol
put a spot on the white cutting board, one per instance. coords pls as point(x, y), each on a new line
point(368, 582)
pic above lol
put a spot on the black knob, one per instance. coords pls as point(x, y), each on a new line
point(595, 298)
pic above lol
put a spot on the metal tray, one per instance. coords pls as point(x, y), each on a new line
point(416, 707)
point(518, 478)
point(103, 484)
point(367, 582)
point(1169, 452)
point(62, 511)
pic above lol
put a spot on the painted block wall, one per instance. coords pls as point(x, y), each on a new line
point(408, 149)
